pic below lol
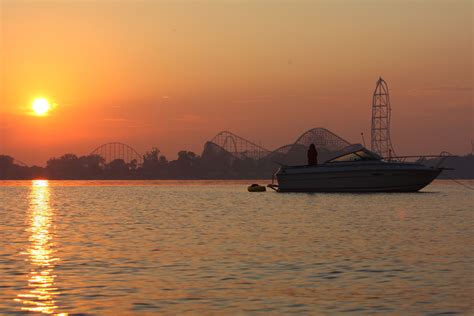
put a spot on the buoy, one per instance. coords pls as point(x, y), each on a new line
point(256, 188)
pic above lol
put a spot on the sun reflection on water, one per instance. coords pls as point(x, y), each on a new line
point(41, 293)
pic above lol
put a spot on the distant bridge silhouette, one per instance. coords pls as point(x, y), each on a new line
point(116, 150)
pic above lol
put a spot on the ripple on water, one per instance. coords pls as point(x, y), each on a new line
point(215, 249)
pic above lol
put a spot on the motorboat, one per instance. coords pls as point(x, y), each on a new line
point(356, 171)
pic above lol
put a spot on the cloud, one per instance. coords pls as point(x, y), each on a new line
point(190, 118)
point(440, 89)
point(117, 120)
point(139, 125)
point(254, 99)
point(266, 98)
point(130, 123)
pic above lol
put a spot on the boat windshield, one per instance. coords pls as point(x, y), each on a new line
point(360, 155)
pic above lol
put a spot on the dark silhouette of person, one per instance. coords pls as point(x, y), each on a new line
point(312, 155)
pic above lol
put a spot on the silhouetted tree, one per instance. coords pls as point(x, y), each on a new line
point(185, 167)
point(154, 164)
point(132, 165)
point(69, 166)
point(6, 167)
point(117, 169)
point(65, 167)
point(92, 166)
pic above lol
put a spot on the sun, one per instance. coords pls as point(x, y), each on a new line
point(41, 106)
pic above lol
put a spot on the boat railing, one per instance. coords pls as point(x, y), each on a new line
point(422, 158)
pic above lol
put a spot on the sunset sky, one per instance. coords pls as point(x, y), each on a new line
point(172, 74)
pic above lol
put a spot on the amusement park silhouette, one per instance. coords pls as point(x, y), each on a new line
point(225, 156)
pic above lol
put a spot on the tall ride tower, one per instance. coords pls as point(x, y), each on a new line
point(380, 136)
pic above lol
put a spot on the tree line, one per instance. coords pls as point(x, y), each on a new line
point(188, 165)
point(214, 163)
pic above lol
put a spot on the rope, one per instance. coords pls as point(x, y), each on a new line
point(443, 153)
point(460, 183)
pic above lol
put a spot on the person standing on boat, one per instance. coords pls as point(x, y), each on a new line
point(312, 155)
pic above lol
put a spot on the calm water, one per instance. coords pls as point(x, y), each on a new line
point(213, 248)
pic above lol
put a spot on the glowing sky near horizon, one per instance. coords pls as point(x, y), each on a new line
point(171, 74)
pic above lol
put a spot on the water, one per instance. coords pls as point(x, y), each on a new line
point(213, 248)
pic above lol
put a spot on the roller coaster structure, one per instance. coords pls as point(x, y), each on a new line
point(242, 148)
point(322, 138)
point(239, 146)
point(381, 112)
point(113, 151)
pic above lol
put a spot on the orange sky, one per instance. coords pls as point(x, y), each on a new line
point(172, 74)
